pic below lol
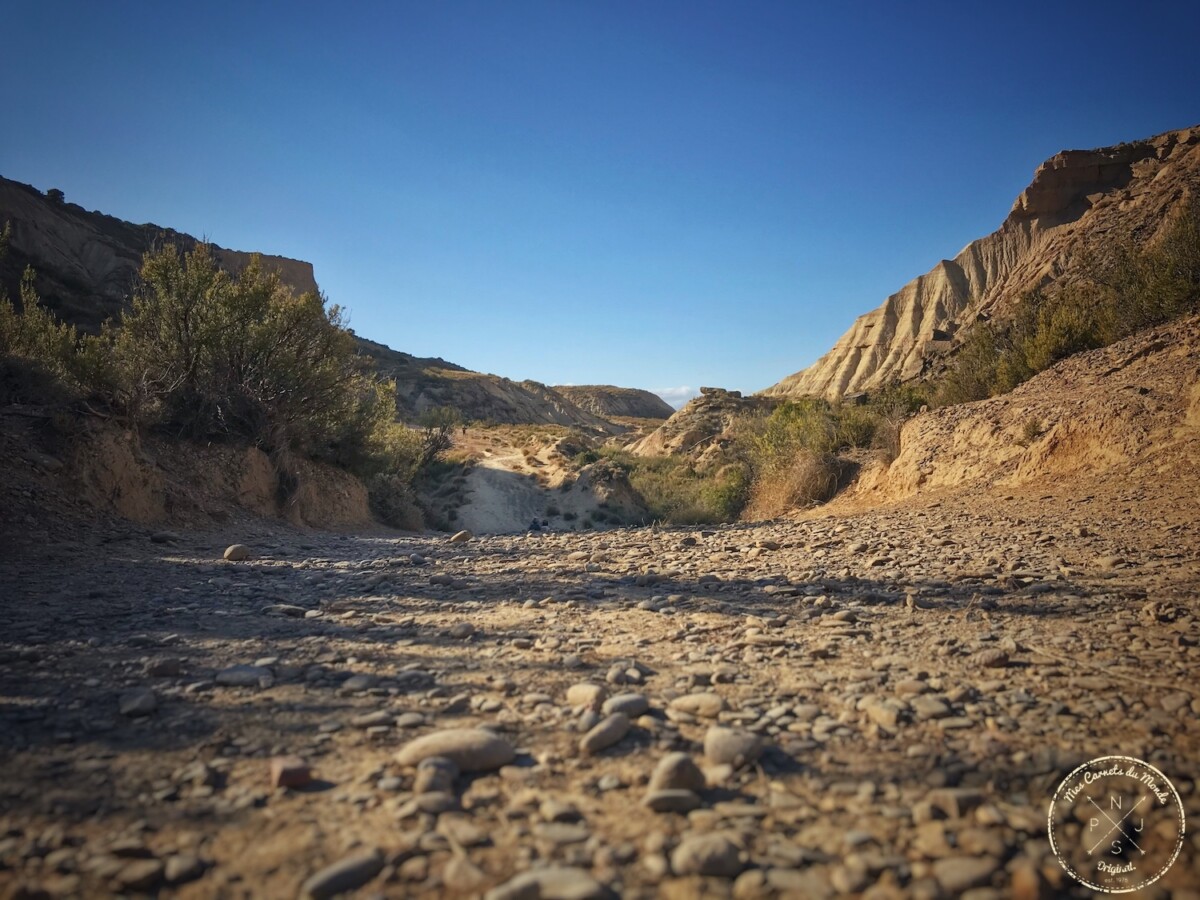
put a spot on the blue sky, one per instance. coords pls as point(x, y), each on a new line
point(652, 194)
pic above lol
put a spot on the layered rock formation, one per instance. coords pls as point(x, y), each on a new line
point(423, 384)
point(1078, 203)
point(606, 401)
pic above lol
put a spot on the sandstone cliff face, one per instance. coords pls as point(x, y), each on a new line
point(1078, 201)
point(86, 261)
point(605, 401)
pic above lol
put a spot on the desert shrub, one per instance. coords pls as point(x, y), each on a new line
point(891, 407)
point(672, 490)
point(1131, 289)
point(585, 458)
point(800, 480)
point(1030, 431)
point(726, 493)
point(437, 427)
point(204, 354)
point(854, 425)
point(207, 354)
point(791, 457)
point(389, 470)
point(71, 364)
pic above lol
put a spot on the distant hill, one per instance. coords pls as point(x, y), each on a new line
point(606, 401)
point(1078, 203)
point(86, 264)
point(422, 384)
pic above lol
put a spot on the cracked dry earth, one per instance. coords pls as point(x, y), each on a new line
point(878, 704)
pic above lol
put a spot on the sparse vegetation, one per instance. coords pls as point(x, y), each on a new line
point(793, 456)
point(437, 433)
point(1031, 431)
point(672, 489)
point(1134, 288)
point(207, 355)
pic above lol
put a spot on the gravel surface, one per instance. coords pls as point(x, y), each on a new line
point(875, 705)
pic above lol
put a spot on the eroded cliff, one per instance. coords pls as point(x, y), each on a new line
point(1078, 203)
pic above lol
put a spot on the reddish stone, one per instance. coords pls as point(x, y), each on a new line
point(289, 771)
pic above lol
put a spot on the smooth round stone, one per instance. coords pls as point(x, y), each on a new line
point(632, 705)
point(436, 802)
point(471, 749)
point(237, 552)
point(138, 702)
point(551, 883)
point(435, 774)
point(245, 676)
point(586, 694)
point(604, 735)
point(706, 705)
point(726, 746)
point(343, 876)
point(675, 801)
point(708, 854)
point(677, 771)
point(373, 719)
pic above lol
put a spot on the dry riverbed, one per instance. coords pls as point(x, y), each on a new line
point(876, 705)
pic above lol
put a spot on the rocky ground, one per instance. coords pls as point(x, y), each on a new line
point(878, 704)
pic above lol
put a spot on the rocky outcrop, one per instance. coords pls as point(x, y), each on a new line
point(86, 261)
point(703, 426)
point(607, 401)
point(1078, 202)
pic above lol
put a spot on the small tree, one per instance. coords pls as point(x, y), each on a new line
point(54, 195)
point(437, 432)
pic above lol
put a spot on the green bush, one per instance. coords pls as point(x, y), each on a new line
point(206, 354)
point(78, 364)
point(672, 490)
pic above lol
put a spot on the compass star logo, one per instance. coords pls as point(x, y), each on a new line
point(1116, 824)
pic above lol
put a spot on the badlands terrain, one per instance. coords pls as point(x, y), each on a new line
point(876, 699)
point(210, 691)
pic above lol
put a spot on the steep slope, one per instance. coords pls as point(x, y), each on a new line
point(606, 401)
point(86, 261)
point(1079, 201)
point(1128, 414)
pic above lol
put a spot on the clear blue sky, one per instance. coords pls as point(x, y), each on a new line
point(653, 194)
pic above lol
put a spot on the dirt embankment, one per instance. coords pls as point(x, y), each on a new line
point(60, 471)
point(1129, 411)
